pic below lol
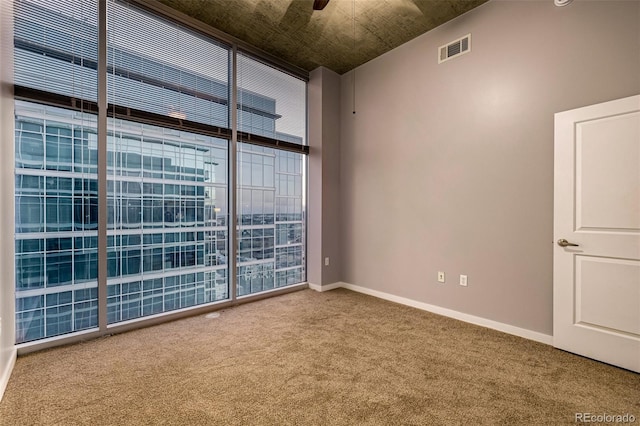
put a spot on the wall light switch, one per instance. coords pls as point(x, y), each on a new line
point(440, 277)
point(463, 280)
point(326, 261)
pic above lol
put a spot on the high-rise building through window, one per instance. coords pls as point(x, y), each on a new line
point(169, 149)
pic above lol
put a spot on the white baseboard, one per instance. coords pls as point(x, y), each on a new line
point(472, 319)
point(6, 373)
point(326, 287)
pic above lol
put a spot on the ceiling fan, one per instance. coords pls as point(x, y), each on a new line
point(319, 4)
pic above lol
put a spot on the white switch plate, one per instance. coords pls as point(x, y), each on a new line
point(326, 261)
point(440, 276)
point(463, 280)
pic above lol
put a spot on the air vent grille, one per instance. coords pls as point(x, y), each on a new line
point(455, 48)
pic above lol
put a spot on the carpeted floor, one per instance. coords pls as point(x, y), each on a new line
point(307, 358)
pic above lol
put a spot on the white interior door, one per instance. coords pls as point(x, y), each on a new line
point(596, 284)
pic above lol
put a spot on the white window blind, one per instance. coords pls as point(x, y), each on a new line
point(271, 103)
point(158, 66)
point(56, 46)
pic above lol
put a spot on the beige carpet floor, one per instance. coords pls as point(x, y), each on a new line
point(307, 358)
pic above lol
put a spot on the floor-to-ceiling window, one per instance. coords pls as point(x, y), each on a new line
point(167, 188)
point(270, 208)
point(169, 151)
point(56, 170)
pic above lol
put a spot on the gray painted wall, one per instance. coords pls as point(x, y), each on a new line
point(324, 177)
point(450, 167)
point(7, 301)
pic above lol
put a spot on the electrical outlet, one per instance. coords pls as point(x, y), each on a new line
point(326, 261)
point(463, 280)
point(440, 277)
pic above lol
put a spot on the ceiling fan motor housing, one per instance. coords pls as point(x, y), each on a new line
point(319, 4)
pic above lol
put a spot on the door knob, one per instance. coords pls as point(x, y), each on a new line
point(564, 243)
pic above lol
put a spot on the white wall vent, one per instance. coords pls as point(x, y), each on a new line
point(455, 48)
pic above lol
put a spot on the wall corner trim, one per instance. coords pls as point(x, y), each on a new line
point(6, 372)
point(327, 287)
point(472, 319)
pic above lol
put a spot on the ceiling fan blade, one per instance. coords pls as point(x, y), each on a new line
point(319, 4)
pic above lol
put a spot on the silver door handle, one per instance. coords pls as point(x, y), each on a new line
point(564, 243)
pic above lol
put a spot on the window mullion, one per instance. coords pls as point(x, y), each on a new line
point(102, 165)
point(233, 177)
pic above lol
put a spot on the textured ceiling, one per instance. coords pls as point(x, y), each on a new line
point(293, 31)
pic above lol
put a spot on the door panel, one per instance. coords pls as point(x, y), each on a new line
point(607, 294)
point(607, 173)
point(597, 207)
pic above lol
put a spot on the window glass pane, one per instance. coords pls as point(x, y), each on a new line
point(271, 103)
point(167, 233)
point(56, 213)
point(167, 189)
point(271, 241)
